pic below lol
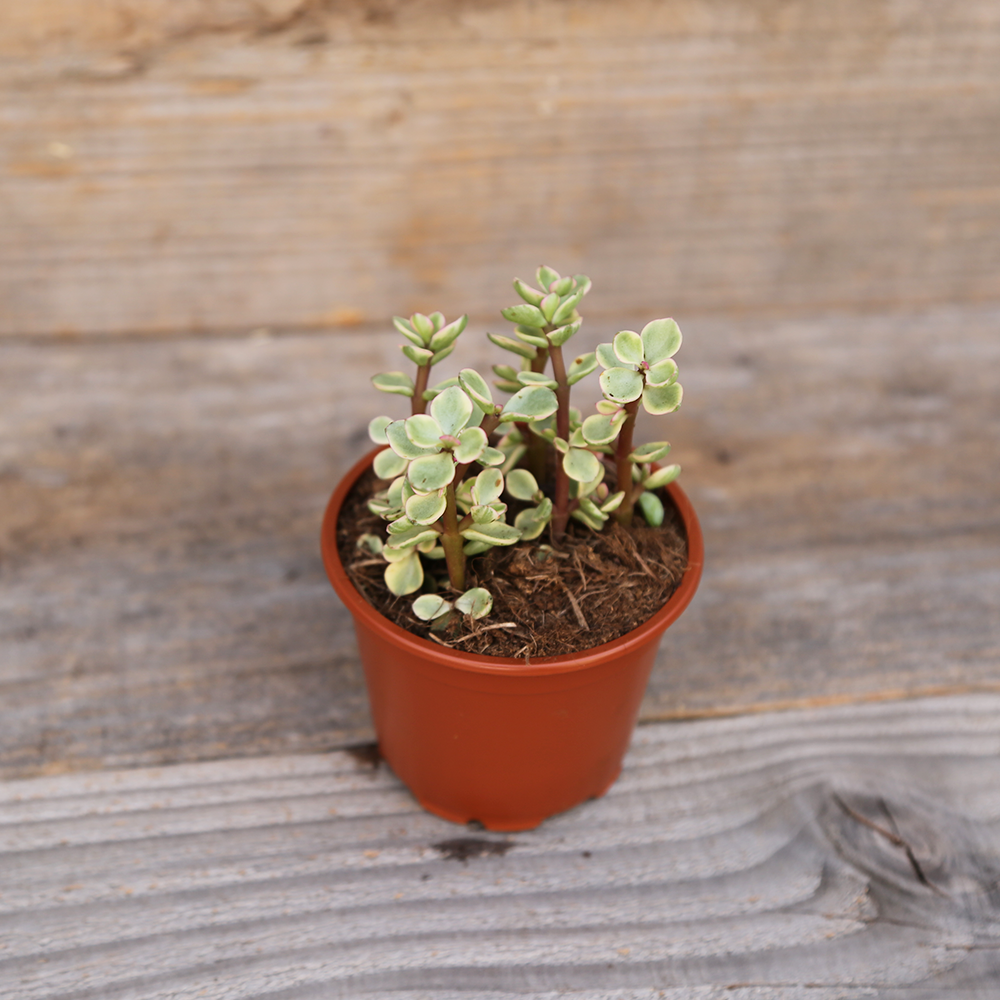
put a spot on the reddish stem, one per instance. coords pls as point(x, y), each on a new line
point(452, 542)
point(623, 465)
point(560, 504)
point(418, 404)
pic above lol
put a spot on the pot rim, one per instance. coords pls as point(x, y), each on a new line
point(362, 611)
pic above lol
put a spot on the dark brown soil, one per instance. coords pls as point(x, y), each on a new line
point(593, 588)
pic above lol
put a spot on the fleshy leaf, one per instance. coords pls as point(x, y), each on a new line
point(388, 464)
point(440, 387)
point(447, 335)
point(581, 367)
point(607, 407)
point(372, 543)
point(496, 533)
point(613, 502)
point(601, 428)
point(649, 452)
point(484, 514)
point(628, 349)
point(660, 339)
point(621, 384)
point(507, 372)
point(588, 517)
point(533, 402)
point(442, 354)
point(521, 484)
point(514, 346)
point(418, 355)
point(452, 409)
point(397, 383)
point(423, 430)
point(530, 295)
point(424, 325)
point(549, 305)
point(475, 385)
point(662, 399)
point(536, 378)
point(472, 442)
point(661, 477)
point(532, 521)
point(606, 356)
point(652, 509)
point(437, 318)
point(402, 445)
point(431, 606)
point(477, 602)
point(563, 286)
point(476, 548)
point(425, 509)
point(405, 576)
point(559, 337)
point(488, 486)
point(582, 282)
point(376, 429)
point(526, 315)
point(491, 457)
point(534, 337)
point(546, 277)
point(565, 310)
point(402, 541)
point(432, 472)
point(583, 466)
point(662, 373)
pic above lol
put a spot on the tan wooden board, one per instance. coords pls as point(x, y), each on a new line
point(832, 854)
point(191, 166)
point(162, 597)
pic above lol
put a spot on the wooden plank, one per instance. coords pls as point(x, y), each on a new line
point(227, 164)
point(163, 598)
point(825, 854)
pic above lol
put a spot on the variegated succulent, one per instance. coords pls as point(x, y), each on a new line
point(449, 463)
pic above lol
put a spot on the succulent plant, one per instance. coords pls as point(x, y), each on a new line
point(449, 463)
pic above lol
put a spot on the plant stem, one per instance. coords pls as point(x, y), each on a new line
point(418, 404)
point(560, 505)
point(624, 466)
point(452, 542)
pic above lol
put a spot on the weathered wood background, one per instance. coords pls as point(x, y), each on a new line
point(191, 165)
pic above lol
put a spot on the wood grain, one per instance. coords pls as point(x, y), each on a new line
point(162, 597)
point(192, 166)
point(839, 853)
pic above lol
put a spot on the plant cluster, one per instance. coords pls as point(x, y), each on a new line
point(450, 463)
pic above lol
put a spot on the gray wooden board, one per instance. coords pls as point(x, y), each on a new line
point(162, 597)
point(844, 852)
point(187, 166)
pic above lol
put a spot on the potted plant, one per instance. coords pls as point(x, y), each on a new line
point(463, 506)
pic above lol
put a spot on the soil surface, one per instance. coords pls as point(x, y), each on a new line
point(592, 588)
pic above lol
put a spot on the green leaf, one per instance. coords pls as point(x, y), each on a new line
point(398, 492)
point(628, 349)
point(514, 346)
point(586, 515)
point(403, 326)
point(565, 310)
point(418, 355)
point(477, 602)
point(405, 576)
point(549, 305)
point(434, 390)
point(529, 336)
point(508, 386)
point(431, 606)
point(476, 548)
point(401, 538)
point(649, 452)
point(431, 472)
point(607, 407)
point(533, 402)
point(472, 443)
point(423, 430)
point(532, 521)
point(522, 485)
point(582, 282)
point(660, 339)
point(371, 543)
point(561, 444)
point(559, 337)
point(402, 445)
point(652, 509)
point(661, 477)
point(662, 399)
point(606, 356)
point(601, 429)
point(452, 409)
point(488, 486)
point(496, 533)
point(394, 382)
point(525, 315)
point(484, 514)
point(583, 466)
point(426, 509)
point(376, 429)
point(442, 354)
point(621, 384)
point(581, 367)
point(388, 464)
point(508, 372)
point(475, 385)
point(537, 378)
point(662, 373)
point(563, 286)
point(447, 335)
point(546, 277)
point(613, 502)
point(423, 325)
point(530, 295)
point(437, 318)
point(491, 456)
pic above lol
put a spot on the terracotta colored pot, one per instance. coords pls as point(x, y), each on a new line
point(488, 738)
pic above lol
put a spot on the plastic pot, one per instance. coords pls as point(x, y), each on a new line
point(490, 738)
